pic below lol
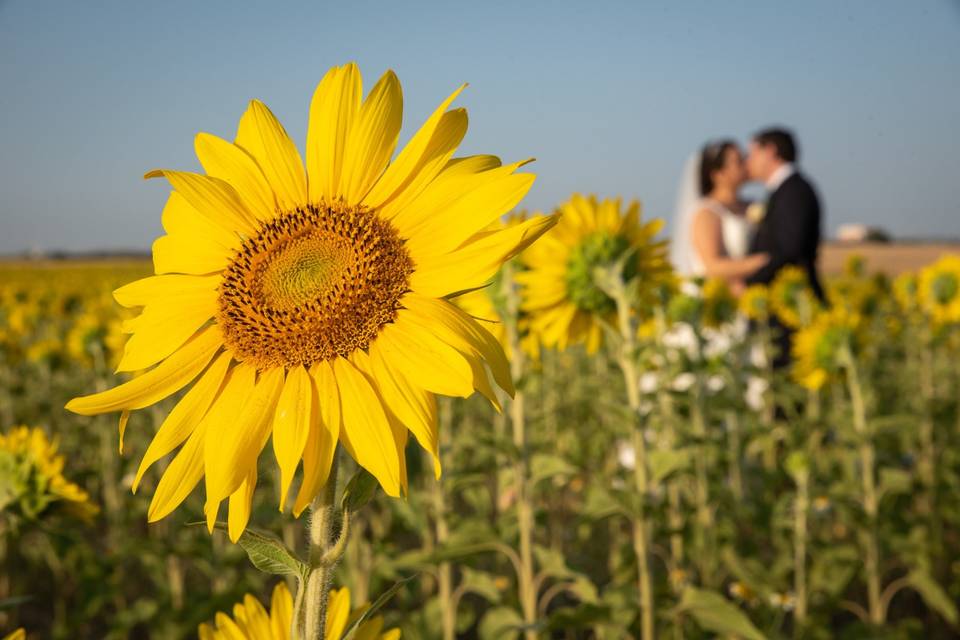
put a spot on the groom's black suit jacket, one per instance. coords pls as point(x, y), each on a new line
point(789, 232)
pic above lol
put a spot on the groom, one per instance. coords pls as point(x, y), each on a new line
point(790, 230)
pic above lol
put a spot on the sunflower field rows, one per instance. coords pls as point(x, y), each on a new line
point(767, 503)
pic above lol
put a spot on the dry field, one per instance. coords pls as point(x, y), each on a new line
point(890, 258)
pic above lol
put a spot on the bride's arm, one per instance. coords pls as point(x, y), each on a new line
point(707, 239)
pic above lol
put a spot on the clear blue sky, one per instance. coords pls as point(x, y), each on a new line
point(610, 97)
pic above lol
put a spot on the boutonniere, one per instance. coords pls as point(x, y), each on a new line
point(756, 212)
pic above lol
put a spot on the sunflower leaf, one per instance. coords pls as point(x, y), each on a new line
point(269, 554)
point(359, 490)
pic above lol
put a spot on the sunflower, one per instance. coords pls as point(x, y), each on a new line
point(313, 304)
point(719, 305)
point(905, 291)
point(791, 298)
point(938, 290)
point(754, 302)
point(565, 304)
point(251, 621)
point(31, 476)
point(818, 345)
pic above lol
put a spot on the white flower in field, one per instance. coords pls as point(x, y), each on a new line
point(784, 601)
point(626, 455)
point(757, 357)
point(754, 396)
point(716, 383)
point(681, 337)
point(717, 343)
point(649, 382)
point(684, 381)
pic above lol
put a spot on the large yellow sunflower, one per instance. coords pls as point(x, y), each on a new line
point(312, 304)
point(565, 304)
point(938, 290)
point(251, 621)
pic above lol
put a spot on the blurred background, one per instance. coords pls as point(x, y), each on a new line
point(609, 97)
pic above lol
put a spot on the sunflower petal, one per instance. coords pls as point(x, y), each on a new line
point(183, 420)
point(235, 445)
point(425, 359)
point(372, 138)
point(179, 478)
point(212, 198)
point(474, 264)
point(229, 162)
point(296, 415)
point(141, 292)
point(322, 440)
point(419, 151)
point(240, 503)
point(463, 333)
point(262, 135)
point(166, 378)
point(414, 407)
point(446, 226)
point(367, 425)
point(164, 326)
point(333, 110)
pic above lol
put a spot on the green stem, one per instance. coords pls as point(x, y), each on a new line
point(867, 453)
point(800, 510)
point(641, 528)
point(322, 558)
point(528, 594)
point(705, 524)
point(442, 532)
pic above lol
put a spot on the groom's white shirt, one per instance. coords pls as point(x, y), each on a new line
point(780, 176)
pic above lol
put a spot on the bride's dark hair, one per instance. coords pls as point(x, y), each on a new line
point(711, 159)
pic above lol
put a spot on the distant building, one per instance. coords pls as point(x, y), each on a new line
point(861, 233)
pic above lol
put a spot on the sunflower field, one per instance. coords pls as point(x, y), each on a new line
point(636, 462)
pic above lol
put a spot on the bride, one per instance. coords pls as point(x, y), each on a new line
point(711, 236)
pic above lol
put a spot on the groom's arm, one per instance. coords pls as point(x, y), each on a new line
point(793, 230)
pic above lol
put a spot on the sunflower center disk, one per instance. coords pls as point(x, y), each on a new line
point(315, 283)
point(596, 250)
point(945, 287)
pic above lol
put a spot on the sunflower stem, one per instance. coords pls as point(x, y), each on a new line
point(641, 527)
point(323, 557)
point(871, 547)
point(528, 591)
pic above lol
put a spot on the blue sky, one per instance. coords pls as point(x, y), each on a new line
point(609, 97)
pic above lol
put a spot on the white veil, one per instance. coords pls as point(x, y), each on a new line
point(682, 254)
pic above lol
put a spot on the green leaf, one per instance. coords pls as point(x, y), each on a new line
point(551, 562)
point(544, 466)
point(480, 583)
point(666, 462)
point(797, 465)
point(599, 503)
point(378, 604)
point(934, 595)
point(501, 623)
point(894, 481)
point(268, 553)
point(359, 490)
point(715, 613)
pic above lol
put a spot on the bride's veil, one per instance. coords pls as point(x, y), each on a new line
point(688, 197)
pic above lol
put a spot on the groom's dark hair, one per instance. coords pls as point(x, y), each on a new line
point(782, 141)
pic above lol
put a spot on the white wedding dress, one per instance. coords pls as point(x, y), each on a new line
point(736, 231)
